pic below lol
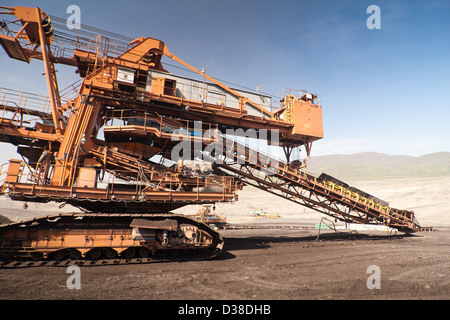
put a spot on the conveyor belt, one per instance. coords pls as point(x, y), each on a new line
point(334, 199)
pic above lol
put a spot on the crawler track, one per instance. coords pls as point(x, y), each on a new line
point(106, 239)
point(24, 263)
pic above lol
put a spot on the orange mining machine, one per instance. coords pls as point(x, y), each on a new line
point(131, 141)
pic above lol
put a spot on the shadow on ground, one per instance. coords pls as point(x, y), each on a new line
point(262, 242)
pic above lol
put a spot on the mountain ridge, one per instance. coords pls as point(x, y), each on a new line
point(375, 165)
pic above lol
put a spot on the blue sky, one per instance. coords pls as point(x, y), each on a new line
point(384, 90)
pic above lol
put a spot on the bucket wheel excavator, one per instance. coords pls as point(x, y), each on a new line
point(130, 141)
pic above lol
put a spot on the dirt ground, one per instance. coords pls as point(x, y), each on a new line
point(263, 264)
point(260, 264)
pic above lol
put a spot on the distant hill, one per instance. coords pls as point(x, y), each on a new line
point(372, 165)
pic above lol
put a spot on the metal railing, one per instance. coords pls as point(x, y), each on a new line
point(19, 99)
point(39, 175)
point(3, 172)
point(299, 93)
point(202, 91)
point(123, 120)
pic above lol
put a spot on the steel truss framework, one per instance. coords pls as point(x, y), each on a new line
point(274, 176)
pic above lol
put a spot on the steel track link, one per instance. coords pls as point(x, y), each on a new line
point(22, 263)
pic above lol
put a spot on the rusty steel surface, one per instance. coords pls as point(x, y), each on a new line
point(93, 144)
point(111, 236)
point(279, 178)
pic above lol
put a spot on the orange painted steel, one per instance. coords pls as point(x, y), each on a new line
point(74, 236)
point(92, 145)
point(321, 194)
